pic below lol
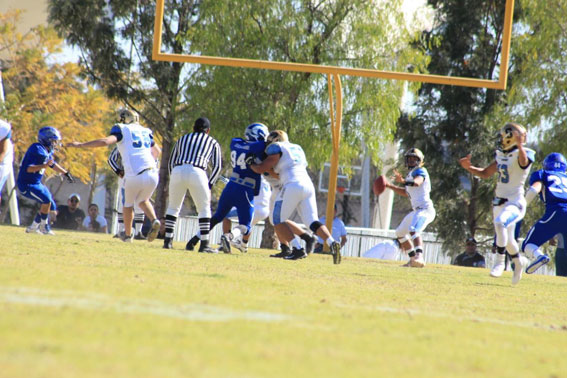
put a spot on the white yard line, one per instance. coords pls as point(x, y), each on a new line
point(191, 312)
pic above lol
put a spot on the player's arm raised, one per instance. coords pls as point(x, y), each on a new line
point(484, 173)
point(102, 142)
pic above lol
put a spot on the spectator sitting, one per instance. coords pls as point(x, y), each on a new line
point(385, 250)
point(95, 222)
point(339, 232)
point(69, 216)
point(470, 257)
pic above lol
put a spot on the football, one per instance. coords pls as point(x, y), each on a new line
point(379, 185)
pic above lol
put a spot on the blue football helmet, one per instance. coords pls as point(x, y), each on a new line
point(49, 137)
point(256, 132)
point(555, 162)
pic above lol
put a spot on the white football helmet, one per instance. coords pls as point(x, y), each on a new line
point(277, 136)
point(128, 116)
point(256, 132)
point(506, 140)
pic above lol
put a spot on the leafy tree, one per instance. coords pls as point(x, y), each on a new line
point(41, 92)
point(451, 121)
point(170, 96)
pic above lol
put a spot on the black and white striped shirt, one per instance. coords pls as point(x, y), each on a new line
point(197, 149)
point(115, 161)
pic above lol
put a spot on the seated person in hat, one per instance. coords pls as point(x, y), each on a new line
point(470, 257)
point(69, 216)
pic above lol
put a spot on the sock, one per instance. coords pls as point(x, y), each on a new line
point(411, 253)
point(305, 237)
point(418, 250)
point(120, 222)
point(284, 248)
point(295, 243)
point(43, 218)
point(204, 227)
point(138, 222)
point(330, 241)
point(170, 221)
point(37, 220)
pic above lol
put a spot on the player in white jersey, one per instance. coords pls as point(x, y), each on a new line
point(512, 162)
point(139, 153)
point(6, 153)
point(417, 186)
point(288, 161)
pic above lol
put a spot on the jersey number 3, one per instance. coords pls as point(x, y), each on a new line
point(503, 175)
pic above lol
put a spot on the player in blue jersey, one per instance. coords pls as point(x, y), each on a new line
point(551, 185)
point(242, 186)
point(38, 157)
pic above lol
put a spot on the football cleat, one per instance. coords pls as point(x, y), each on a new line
point(537, 263)
point(282, 254)
point(225, 242)
point(336, 252)
point(310, 245)
point(32, 228)
point(45, 229)
point(192, 243)
point(126, 239)
point(520, 263)
point(499, 265)
point(240, 245)
point(204, 247)
point(167, 243)
point(156, 224)
point(417, 261)
point(296, 254)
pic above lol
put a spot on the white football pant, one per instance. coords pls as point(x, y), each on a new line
point(415, 222)
point(292, 196)
point(506, 217)
point(140, 187)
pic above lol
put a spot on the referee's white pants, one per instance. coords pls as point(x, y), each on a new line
point(187, 177)
point(140, 188)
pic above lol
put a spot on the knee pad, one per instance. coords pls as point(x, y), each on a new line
point(315, 226)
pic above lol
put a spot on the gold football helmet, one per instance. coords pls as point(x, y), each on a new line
point(414, 153)
point(506, 139)
point(127, 116)
point(277, 136)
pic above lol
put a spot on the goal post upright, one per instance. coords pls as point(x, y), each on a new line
point(335, 71)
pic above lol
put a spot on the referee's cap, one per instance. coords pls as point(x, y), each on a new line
point(202, 124)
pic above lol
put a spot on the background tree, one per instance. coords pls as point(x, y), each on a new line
point(40, 91)
point(450, 122)
point(350, 33)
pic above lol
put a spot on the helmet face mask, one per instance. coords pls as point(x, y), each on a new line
point(414, 158)
point(277, 136)
point(506, 138)
point(555, 162)
point(256, 132)
point(50, 138)
point(127, 116)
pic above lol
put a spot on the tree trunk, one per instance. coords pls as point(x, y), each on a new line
point(162, 190)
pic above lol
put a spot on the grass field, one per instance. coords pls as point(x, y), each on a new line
point(86, 305)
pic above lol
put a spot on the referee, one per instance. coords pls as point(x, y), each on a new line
point(188, 163)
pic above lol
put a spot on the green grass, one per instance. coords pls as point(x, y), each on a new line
point(86, 305)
